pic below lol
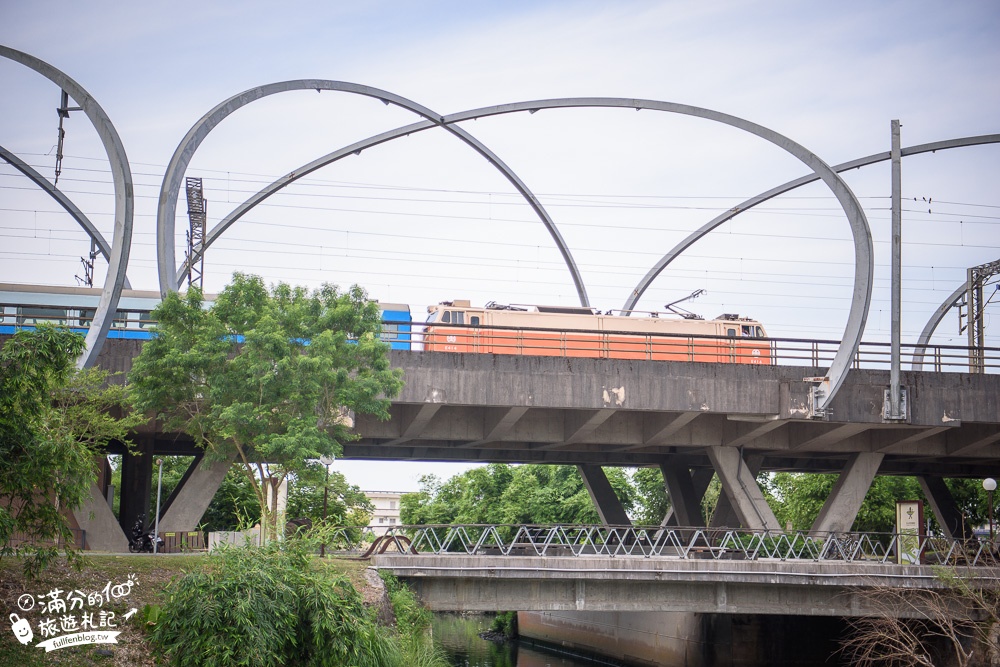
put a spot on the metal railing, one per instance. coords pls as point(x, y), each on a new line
point(529, 341)
point(675, 543)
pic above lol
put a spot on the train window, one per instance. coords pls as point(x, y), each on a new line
point(731, 333)
point(432, 317)
point(760, 332)
point(389, 332)
point(474, 320)
point(747, 331)
point(457, 317)
point(446, 318)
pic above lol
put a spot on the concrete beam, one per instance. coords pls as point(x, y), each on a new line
point(194, 496)
point(910, 437)
point(499, 422)
point(415, 423)
point(685, 498)
point(972, 437)
point(949, 517)
point(833, 435)
point(750, 432)
point(657, 428)
point(579, 425)
point(841, 507)
point(609, 507)
point(741, 489)
point(102, 529)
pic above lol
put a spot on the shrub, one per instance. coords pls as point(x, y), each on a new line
point(257, 606)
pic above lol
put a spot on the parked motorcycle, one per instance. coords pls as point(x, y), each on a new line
point(141, 541)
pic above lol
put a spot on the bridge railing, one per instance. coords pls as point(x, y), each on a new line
point(595, 344)
point(682, 543)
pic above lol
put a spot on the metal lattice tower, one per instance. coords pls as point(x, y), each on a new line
point(978, 275)
point(196, 232)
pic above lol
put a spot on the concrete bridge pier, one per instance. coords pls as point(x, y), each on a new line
point(609, 507)
point(948, 516)
point(847, 495)
point(189, 501)
point(739, 484)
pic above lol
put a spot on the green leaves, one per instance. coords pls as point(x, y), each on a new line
point(266, 375)
point(53, 421)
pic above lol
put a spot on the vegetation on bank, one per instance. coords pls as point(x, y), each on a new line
point(241, 606)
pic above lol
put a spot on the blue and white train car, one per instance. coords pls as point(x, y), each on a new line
point(27, 305)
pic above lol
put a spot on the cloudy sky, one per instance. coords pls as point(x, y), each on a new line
point(424, 218)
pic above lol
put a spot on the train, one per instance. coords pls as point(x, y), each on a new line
point(457, 326)
point(451, 326)
point(24, 306)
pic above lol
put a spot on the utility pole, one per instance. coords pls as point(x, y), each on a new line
point(894, 408)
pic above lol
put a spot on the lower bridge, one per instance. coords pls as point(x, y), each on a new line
point(638, 584)
point(693, 570)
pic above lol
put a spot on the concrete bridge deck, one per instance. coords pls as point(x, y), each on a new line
point(630, 583)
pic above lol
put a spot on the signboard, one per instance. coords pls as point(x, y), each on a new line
point(909, 525)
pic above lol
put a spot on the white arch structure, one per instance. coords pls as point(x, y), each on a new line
point(170, 274)
point(124, 199)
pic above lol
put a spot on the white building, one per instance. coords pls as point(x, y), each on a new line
point(386, 513)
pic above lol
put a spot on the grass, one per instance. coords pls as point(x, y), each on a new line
point(150, 572)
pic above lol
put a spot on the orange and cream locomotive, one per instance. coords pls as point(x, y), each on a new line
point(457, 326)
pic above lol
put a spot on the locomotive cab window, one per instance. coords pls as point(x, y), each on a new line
point(731, 332)
point(474, 320)
point(747, 331)
point(453, 317)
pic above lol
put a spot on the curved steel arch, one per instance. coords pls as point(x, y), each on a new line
point(62, 200)
point(852, 208)
point(658, 268)
point(932, 325)
point(124, 199)
point(166, 212)
point(863, 260)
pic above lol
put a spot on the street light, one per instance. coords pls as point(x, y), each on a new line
point(990, 485)
point(327, 460)
point(159, 487)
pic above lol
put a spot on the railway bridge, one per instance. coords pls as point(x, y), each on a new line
point(692, 420)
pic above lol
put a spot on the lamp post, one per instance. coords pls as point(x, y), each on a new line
point(326, 460)
point(990, 485)
point(159, 487)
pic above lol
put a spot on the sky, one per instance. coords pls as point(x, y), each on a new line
point(424, 219)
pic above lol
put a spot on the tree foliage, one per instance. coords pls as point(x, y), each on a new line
point(269, 377)
point(276, 605)
point(54, 420)
point(505, 494)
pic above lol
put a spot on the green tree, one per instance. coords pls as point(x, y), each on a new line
point(54, 420)
point(269, 377)
point(651, 495)
point(799, 497)
point(347, 505)
point(500, 493)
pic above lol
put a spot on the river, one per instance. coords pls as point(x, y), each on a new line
point(459, 636)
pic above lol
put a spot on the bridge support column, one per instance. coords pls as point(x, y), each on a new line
point(945, 510)
point(841, 507)
point(102, 529)
point(740, 487)
point(194, 494)
point(137, 479)
point(724, 515)
point(609, 507)
point(685, 492)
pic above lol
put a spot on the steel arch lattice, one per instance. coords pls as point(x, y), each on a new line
point(124, 198)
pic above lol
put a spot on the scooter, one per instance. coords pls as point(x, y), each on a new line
point(141, 541)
